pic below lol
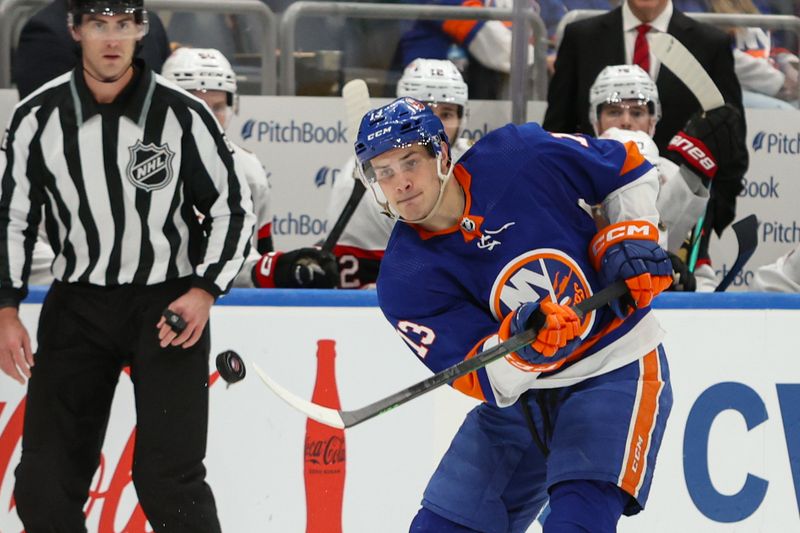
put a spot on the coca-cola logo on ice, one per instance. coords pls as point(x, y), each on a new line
point(326, 452)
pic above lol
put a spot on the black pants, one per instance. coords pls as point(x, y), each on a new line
point(86, 335)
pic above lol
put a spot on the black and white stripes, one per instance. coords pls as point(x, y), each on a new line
point(119, 184)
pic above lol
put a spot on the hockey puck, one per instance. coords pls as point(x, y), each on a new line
point(230, 366)
point(175, 321)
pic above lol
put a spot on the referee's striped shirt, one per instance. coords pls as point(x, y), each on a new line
point(118, 184)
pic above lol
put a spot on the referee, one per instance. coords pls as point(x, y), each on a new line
point(119, 160)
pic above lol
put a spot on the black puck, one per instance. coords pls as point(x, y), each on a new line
point(230, 366)
point(174, 320)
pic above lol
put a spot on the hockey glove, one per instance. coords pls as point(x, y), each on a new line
point(557, 338)
point(682, 279)
point(305, 268)
point(629, 250)
point(711, 144)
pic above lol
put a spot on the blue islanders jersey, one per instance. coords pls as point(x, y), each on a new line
point(524, 236)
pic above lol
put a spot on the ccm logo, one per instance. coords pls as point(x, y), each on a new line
point(627, 230)
point(695, 152)
point(376, 134)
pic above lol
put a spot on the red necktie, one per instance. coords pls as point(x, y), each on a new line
point(641, 49)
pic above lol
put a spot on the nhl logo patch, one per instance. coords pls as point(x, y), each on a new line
point(150, 166)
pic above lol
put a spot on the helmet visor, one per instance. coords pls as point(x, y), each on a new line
point(387, 168)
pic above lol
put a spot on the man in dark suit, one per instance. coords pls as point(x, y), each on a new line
point(591, 44)
point(47, 50)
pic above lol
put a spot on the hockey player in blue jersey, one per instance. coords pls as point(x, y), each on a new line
point(578, 415)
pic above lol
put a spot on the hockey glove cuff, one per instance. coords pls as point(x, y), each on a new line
point(712, 144)
point(629, 250)
point(689, 151)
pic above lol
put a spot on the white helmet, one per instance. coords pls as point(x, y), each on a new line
point(616, 83)
point(201, 69)
point(433, 80)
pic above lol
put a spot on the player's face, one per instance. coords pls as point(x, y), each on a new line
point(628, 115)
point(408, 179)
point(448, 114)
point(108, 43)
point(217, 101)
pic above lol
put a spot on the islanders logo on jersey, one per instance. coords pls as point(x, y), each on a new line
point(539, 275)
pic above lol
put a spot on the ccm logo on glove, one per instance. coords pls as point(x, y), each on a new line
point(694, 152)
point(632, 229)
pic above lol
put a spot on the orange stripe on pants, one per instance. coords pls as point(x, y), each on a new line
point(644, 419)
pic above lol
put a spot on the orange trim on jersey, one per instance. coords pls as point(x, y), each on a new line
point(464, 179)
point(361, 253)
point(633, 159)
point(470, 384)
point(265, 231)
point(643, 421)
point(640, 230)
point(460, 29)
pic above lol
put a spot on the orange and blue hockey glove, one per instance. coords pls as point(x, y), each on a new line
point(557, 338)
point(629, 250)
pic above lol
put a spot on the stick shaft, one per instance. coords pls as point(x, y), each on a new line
point(345, 216)
point(514, 343)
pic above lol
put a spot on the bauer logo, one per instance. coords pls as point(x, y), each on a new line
point(539, 275)
point(777, 143)
point(292, 131)
point(326, 176)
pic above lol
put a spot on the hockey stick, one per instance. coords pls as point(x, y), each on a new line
point(345, 419)
point(746, 231)
point(344, 217)
point(674, 55)
point(356, 105)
